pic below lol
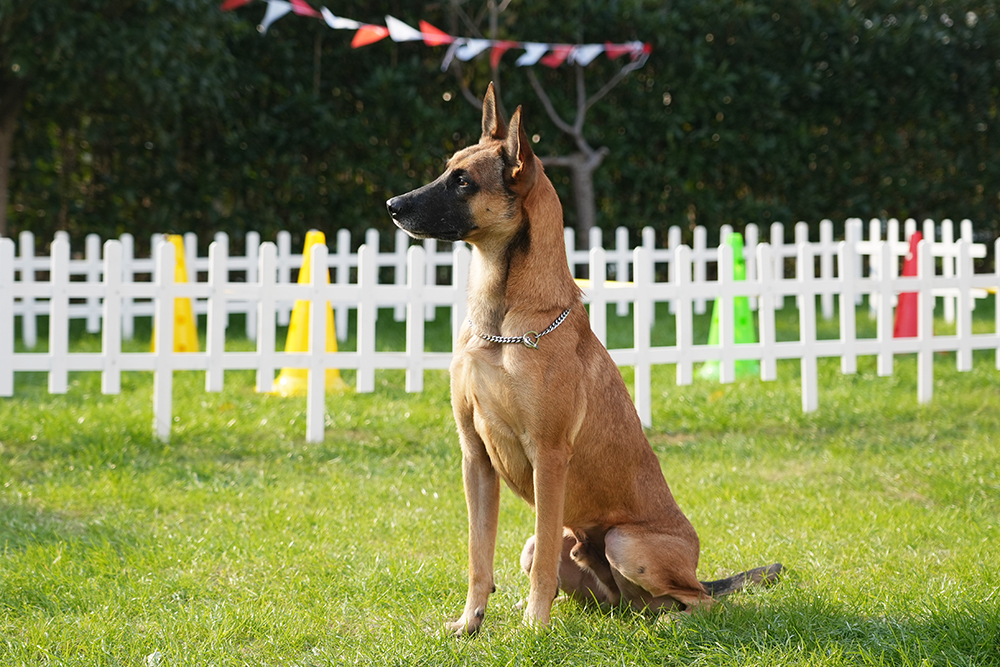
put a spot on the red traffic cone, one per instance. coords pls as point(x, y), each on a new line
point(906, 308)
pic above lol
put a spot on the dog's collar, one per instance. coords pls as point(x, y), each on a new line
point(529, 339)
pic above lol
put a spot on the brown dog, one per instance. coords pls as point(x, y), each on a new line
point(540, 404)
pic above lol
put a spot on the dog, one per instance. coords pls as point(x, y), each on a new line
point(540, 405)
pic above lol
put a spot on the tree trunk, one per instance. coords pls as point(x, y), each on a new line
point(582, 168)
point(583, 199)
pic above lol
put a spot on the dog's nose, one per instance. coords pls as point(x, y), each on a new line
point(395, 206)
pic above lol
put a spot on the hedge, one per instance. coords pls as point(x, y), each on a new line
point(182, 117)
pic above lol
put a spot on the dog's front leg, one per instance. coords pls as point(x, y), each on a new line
point(550, 493)
point(482, 497)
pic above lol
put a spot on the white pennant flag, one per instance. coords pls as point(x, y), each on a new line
point(585, 53)
point(533, 52)
point(400, 32)
point(472, 48)
point(275, 10)
point(338, 23)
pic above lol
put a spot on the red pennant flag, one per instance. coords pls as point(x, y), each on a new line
point(641, 51)
point(302, 9)
point(433, 36)
point(616, 50)
point(232, 4)
point(557, 57)
point(499, 48)
point(369, 34)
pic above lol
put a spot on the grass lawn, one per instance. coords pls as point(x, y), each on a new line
point(240, 544)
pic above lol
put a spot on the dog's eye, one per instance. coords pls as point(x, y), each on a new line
point(462, 180)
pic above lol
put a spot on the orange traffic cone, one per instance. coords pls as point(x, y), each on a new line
point(293, 381)
point(906, 307)
point(185, 328)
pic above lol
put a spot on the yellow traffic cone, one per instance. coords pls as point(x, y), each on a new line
point(293, 381)
point(185, 327)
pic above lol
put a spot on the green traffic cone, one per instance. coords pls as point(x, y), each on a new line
point(744, 330)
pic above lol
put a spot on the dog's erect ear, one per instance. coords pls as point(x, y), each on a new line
point(518, 149)
point(493, 125)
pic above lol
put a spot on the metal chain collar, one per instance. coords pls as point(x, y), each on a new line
point(529, 339)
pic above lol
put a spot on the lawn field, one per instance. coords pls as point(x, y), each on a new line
point(238, 543)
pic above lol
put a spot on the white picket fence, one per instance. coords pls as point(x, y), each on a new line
point(343, 262)
point(106, 286)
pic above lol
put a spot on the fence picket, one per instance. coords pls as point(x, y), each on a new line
point(622, 257)
point(284, 264)
point(766, 305)
point(266, 317)
point(807, 332)
point(367, 309)
point(430, 274)
point(163, 341)
point(725, 307)
point(847, 260)
point(642, 314)
point(698, 264)
point(883, 322)
point(414, 322)
point(684, 317)
point(252, 247)
point(925, 322)
point(111, 316)
point(29, 319)
point(59, 318)
point(316, 369)
point(402, 245)
point(597, 294)
point(127, 276)
point(948, 262)
point(215, 337)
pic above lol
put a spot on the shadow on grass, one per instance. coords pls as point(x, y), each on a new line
point(749, 629)
point(953, 632)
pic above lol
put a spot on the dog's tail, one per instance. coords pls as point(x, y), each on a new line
point(764, 576)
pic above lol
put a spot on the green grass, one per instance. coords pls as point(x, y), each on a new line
point(240, 544)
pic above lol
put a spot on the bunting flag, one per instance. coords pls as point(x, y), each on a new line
point(550, 55)
point(275, 10)
point(369, 34)
point(301, 8)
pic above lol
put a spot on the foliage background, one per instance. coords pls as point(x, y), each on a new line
point(170, 115)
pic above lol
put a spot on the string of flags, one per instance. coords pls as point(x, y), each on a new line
point(462, 48)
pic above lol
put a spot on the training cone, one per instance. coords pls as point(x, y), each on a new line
point(185, 328)
point(906, 307)
point(744, 329)
point(293, 381)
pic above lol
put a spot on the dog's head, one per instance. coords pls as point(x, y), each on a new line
point(478, 196)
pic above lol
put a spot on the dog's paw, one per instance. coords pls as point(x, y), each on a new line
point(467, 624)
point(538, 617)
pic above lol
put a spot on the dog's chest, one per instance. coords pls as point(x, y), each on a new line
point(500, 421)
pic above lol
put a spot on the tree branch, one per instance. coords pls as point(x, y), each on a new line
point(456, 69)
point(547, 103)
point(616, 79)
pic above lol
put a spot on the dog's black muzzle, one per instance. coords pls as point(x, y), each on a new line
point(433, 211)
